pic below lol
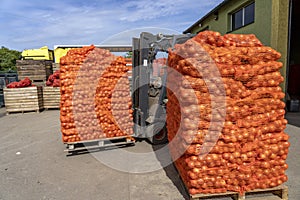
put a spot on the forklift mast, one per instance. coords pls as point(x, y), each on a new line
point(149, 91)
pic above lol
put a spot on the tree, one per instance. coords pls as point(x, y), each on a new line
point(8, 59)
point(128, 54)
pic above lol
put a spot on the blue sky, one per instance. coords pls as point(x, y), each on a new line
point(26, 24)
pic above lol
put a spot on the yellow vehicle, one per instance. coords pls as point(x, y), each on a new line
point(60, 51)
point(43, 53)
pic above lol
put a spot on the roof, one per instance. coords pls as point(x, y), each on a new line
point(112, 48)
point(206, 16)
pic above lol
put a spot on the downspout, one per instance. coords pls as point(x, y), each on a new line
point(288, 48)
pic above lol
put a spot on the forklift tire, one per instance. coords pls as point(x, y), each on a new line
point(160, 138)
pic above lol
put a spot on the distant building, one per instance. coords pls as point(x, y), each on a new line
point(274, 22)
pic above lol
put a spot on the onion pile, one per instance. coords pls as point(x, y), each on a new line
point(94, 95)
point(251, 148)
point(53, 79)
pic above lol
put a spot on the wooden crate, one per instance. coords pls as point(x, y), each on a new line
point(41, 83)
point(51, 97)
point(23, 99)
point(35, 70)
point(55, 67)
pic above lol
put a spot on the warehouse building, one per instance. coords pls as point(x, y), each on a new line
point(274, 22)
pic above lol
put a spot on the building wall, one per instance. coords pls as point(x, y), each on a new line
point(270, 24)
point(261, 26)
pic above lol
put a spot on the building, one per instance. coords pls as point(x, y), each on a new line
point(274, 22)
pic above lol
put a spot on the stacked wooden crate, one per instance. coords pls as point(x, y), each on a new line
point(23, 99)
point(36, 70)
point(55, 67)
point(51, 97)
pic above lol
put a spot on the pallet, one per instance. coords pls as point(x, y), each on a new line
point(51, 97)
point(279, 192)
point(23, 99)
point(75, 147)
point(23, 111)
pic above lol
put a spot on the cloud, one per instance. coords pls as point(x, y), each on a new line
point(34, 23)
point(147, 10)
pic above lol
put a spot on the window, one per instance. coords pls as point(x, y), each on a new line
point(243, 17)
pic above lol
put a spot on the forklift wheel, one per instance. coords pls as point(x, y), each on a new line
point(160, 138)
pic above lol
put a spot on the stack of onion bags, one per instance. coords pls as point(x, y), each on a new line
point(251, 147)
point(94, 95)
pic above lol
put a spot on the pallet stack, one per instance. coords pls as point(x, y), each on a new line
point(23, 99)
point(36, 70)
point(225, 115)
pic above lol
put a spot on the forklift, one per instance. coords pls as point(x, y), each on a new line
point(149, 91)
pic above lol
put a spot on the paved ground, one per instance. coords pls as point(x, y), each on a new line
point(34, 166)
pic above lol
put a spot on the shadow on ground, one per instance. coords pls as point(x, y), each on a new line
point(2, 112)
point(171, 172)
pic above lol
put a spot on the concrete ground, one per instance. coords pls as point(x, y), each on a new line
point(33, 165)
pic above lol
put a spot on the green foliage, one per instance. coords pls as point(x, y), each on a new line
point(8, 59)
point(128, 54)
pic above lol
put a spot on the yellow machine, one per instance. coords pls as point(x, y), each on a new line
point(42, 53)
point(60, 51)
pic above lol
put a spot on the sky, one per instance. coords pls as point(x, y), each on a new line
point(29, 24)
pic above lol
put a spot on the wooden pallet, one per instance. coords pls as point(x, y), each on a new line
point(51, 97)
point(23, 99)
point(75, 147)
point(276, 193)
point(23, 111)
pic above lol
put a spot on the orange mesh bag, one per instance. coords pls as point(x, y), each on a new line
point(247, 72)
point(267, 80)
point(243, 40)
point(267, 92)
